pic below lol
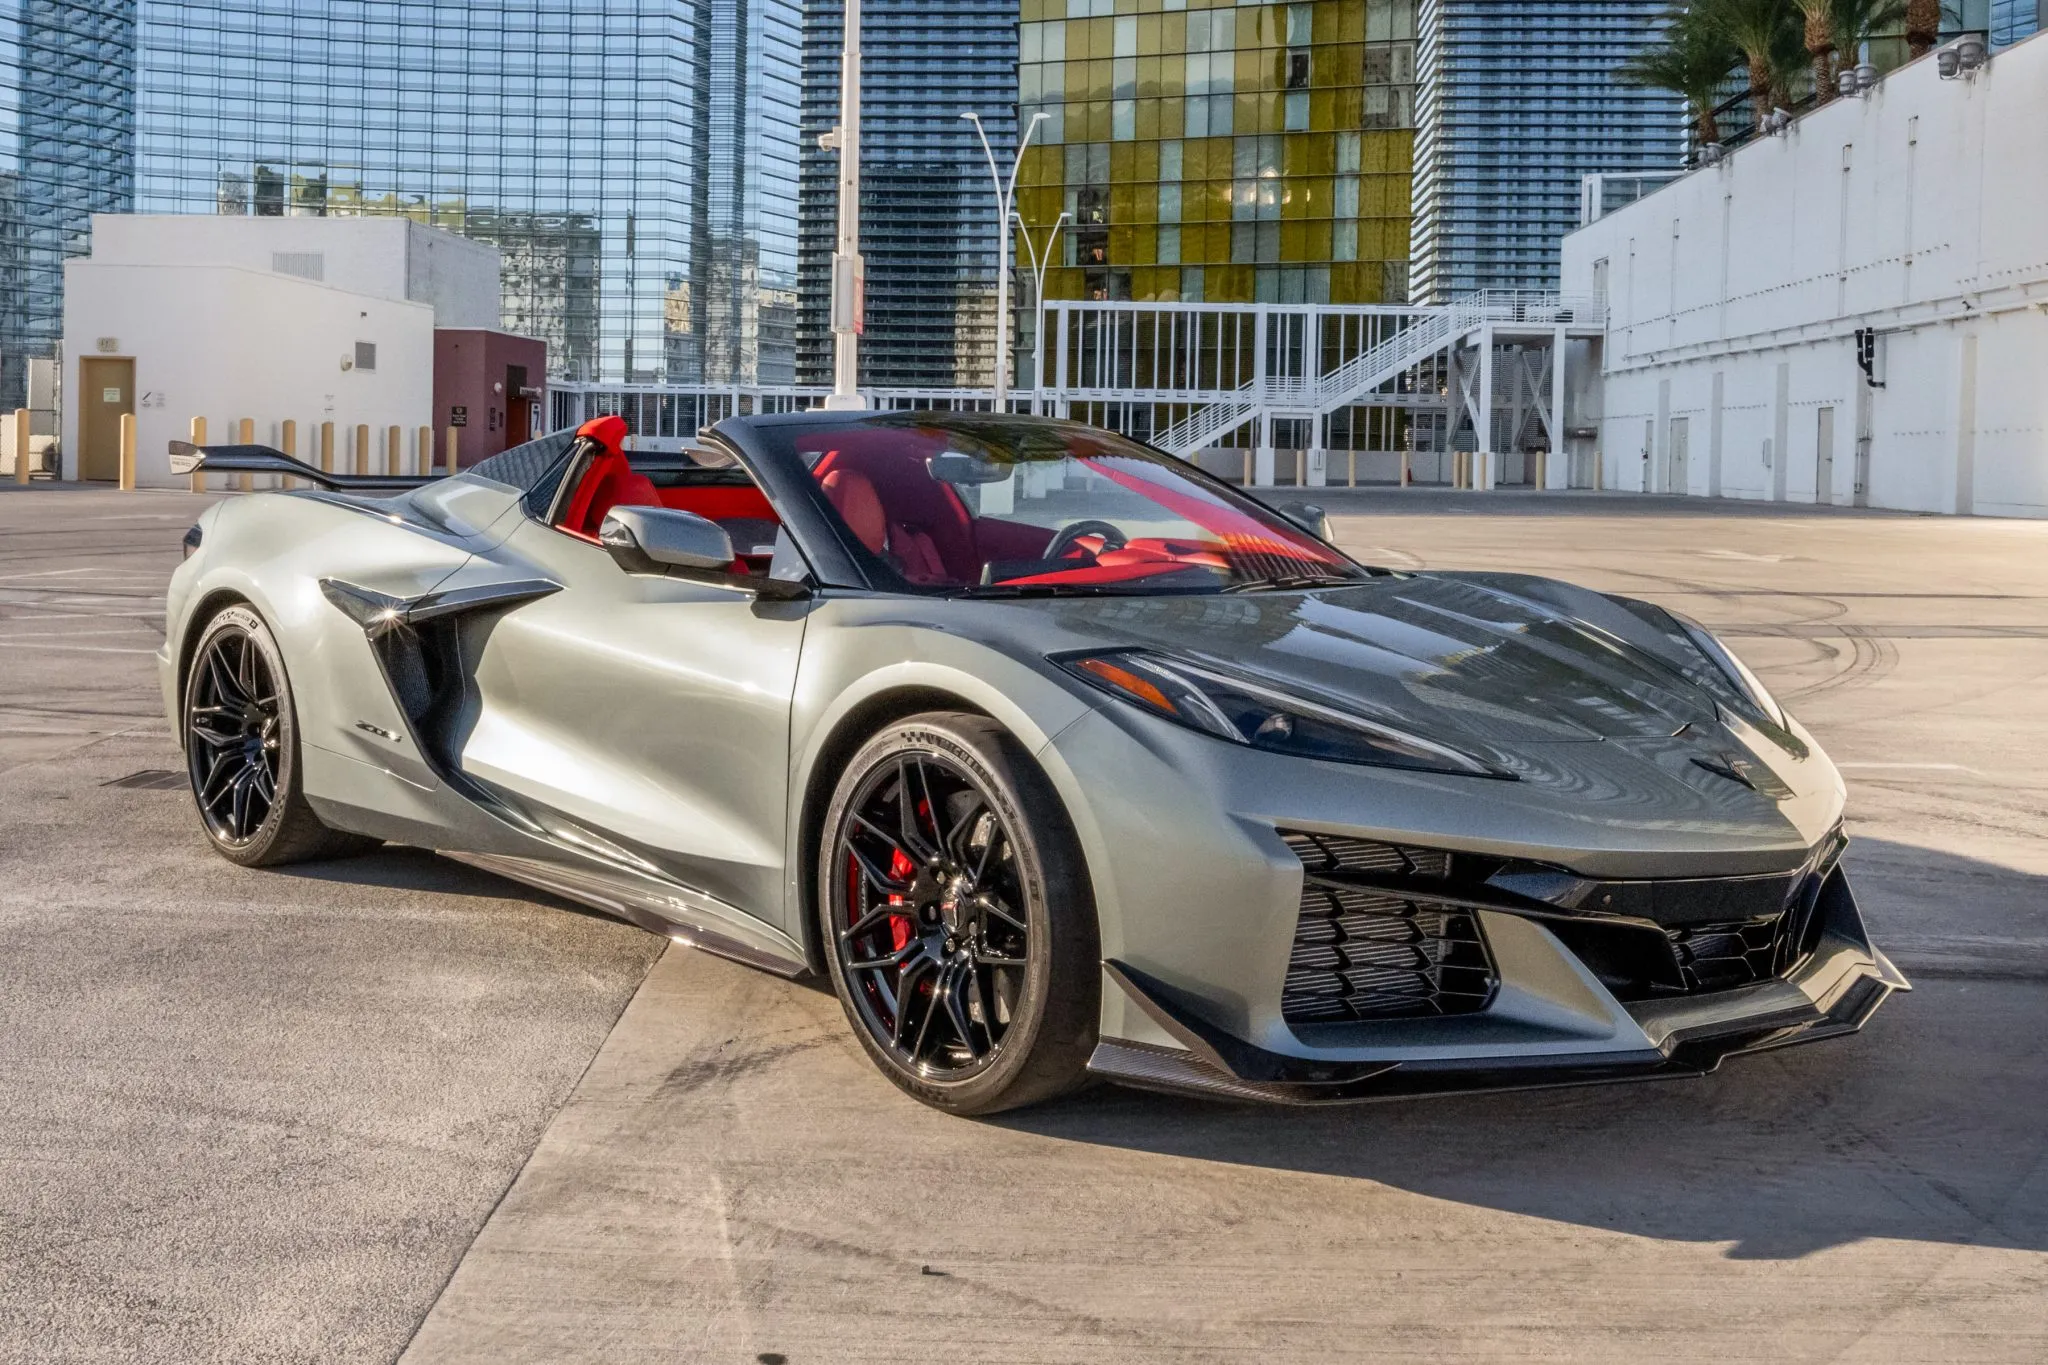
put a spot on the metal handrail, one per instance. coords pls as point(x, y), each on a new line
point(1369, 369)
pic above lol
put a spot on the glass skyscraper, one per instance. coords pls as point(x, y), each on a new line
point(67, 151)
point(1220, 152)
point(634, 160)
point(928, 218)
point(1518, 101)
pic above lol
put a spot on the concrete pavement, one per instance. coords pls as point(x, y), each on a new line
point(256, 1116)
point(243, 1116)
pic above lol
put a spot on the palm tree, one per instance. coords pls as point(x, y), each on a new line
point(1819, 39)
point(1856, 22)
point(1767, 35)
point(1693, 62)
point(1923, 26)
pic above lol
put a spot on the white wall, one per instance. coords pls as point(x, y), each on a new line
point(389, 258)
point(1919, 211)
point(225, 342)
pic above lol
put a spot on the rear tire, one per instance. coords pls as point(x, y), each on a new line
point(957, 917)
point(241, 738)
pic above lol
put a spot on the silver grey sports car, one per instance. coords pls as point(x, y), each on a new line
point(1060, 757)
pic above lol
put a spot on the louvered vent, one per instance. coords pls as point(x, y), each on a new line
point(1365, 953)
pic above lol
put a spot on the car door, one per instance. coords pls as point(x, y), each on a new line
point(650, 712)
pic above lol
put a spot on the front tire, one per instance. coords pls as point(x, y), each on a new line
point(241, 738)
point(957, 917)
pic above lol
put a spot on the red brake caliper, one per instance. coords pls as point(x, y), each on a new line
point(902, 869)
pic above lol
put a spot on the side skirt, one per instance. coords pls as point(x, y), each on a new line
point(688, 917)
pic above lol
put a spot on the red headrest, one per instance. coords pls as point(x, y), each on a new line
point(855, 497)
point(610, 432)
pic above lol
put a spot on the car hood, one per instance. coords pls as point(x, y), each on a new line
point(1463, 655)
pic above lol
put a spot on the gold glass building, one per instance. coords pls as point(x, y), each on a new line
point(1222, 153)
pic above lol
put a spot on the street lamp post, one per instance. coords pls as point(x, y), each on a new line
point(847, 282)
point(1038, 264)
point(1005, 194)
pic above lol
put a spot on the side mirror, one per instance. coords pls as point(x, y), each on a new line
point(655, 539)
point(1307, 515)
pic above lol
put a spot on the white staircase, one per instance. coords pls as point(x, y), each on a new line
point(1403, 351)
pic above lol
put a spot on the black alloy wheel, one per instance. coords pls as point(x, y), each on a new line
point(232, 733)
point(241, 749)
point(961, 933)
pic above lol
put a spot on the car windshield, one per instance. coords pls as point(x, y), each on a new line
point(995, 506)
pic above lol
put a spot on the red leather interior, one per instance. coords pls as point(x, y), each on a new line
point(1141, 558)
point(720, 502)
point(610, 480)
point(925, 526)
point(854, 496)
point(618, 485)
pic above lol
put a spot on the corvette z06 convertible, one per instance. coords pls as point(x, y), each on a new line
point(1058, 756)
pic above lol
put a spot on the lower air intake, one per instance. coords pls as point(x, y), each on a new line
point(1368, 953)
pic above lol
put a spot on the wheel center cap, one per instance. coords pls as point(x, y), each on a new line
point(953, 903)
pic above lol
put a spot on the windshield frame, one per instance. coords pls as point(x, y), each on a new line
point(767, 445)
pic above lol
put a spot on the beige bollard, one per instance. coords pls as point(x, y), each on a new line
point(392, 439)
point(198, 439)
point(362, 461)
point(21, 445)
point(288, 442)
point(424, 452)
point(327, 447)
point(1247, 467)
point(1351, 479)
point(453, 462)
point(246, 434)
point(1407, 468)
point(1301, 469)
point(1542, 459)
point(128, 452)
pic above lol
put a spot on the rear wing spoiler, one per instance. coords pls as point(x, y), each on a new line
point(187, 458)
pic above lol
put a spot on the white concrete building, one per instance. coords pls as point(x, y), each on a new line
point(1853, 311)
point(307, 320)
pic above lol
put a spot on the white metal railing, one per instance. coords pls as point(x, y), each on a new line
point(1183, 376)
point(1431, 331)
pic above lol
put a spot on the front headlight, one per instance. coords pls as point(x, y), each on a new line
point(1247, 711)
point(1737, 672)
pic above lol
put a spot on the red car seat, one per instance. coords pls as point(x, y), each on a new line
point(900, 512)
point(608, 481)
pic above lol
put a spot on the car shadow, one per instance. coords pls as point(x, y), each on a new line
point(1925, 1127)
point(397, 867)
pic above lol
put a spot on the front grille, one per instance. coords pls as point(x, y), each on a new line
point(1371, 953)
point(1375, 938)
point(1714, 957)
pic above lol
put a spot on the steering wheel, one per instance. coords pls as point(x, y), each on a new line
point(1063, 544)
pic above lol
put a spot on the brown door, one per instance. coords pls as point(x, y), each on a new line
point(106, 391)
point(518, 409)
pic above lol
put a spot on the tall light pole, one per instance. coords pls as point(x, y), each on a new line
point(1038, 265)
point(1005, 193)
point(848, 273)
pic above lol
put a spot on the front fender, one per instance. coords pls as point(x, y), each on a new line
point(860, 651)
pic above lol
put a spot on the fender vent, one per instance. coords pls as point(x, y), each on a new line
point(1366, 953)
